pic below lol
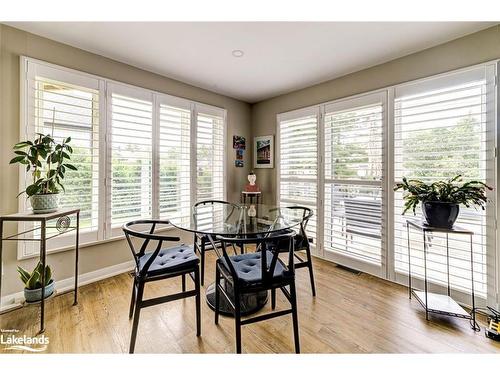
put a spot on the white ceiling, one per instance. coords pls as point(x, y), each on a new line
point(279, 56)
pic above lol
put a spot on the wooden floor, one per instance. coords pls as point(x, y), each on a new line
point(351, 314)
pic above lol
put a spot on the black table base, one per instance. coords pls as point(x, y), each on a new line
point(250, 303)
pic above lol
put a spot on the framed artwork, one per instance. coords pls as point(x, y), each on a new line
point(239, 142)
point(239, 154)
point(263, 153)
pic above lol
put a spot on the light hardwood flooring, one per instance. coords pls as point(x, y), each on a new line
point(350, 314)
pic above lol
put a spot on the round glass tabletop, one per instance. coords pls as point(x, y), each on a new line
point(221, 219)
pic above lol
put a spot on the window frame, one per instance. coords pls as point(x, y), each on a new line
point(493, 292)
point(369, 99)
point(104, 86)
point(316, 246)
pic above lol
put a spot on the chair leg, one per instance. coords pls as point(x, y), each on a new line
point(237, 321)
point(217, 294)
point(273, 298)
point(132, 301)
point(198, 301)
point(202, 261)
point(310, 267)
point(295, 317)
point(184, 283)
point(137, 312)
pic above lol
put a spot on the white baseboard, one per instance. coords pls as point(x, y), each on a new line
point(14, 300)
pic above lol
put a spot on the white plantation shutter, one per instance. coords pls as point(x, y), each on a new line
point(298, 159)
point(67, 105)
point(174, 143)
point(354, 224)
point(210, 140)
point(140, 154)
point(444, 127)
point(131, 161)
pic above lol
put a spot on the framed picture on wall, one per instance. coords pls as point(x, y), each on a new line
point(263, 152)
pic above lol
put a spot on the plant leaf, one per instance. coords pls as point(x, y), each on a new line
point(33, 189)
point(23, 274)
point(17, 159)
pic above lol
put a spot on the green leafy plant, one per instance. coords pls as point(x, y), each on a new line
point(48, 162)
point(33, 280)
point(471, 193)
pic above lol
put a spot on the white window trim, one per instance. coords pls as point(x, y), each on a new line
point(104, 85)
point(390, 274)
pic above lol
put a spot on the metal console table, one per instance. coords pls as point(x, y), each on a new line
point(434, 302)
point(63, 226)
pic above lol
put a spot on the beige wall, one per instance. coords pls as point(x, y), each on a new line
point(469, 50)
point(14, 43)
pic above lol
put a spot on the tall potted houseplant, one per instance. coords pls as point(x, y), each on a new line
point(48, 161)
point(441, 199)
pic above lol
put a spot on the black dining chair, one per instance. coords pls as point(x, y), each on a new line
point(161, 263)
point(201, 241)
point(301, 243)
point(256, 272)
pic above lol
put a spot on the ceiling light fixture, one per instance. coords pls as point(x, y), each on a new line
point(238, 53)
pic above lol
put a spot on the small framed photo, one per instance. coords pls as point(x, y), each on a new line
point(238, 163)
point(239, 142)
point(263, 153)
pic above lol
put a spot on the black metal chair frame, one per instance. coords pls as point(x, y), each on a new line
point(267, 282)
point(304, 244)
point(141, 276)
point(201, 241)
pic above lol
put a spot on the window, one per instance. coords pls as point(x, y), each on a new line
point(443, 128)
point(343, 158)
point(174, 161)
point(298, 162)
point(66, 105)
point(353, 186)
point(139, 153)
point(209, 154)
point(131, 144)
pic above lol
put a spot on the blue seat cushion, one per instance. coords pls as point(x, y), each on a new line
point(248, 266)
point(169, 260)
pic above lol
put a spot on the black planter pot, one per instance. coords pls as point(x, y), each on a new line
point(440, 214)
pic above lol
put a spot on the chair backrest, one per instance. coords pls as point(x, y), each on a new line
point(262, 244)
point(144, 237)
point(307, 213)
point(212, 202)
point(231, 207)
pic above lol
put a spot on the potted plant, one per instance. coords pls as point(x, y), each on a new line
point(33, 282)
point(441, 200)
point(47, 161)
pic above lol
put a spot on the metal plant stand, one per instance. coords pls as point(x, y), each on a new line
point(62, 226)
point(434, 302)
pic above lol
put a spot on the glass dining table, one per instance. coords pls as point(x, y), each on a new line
point(234, 220)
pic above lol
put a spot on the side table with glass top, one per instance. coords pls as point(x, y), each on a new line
point(438, 303)
point(62, 226)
